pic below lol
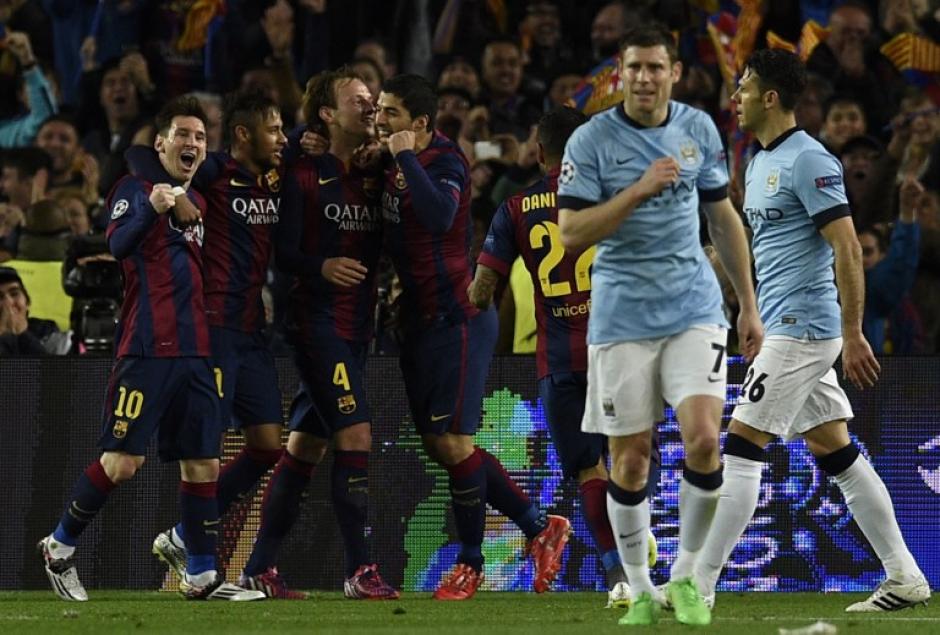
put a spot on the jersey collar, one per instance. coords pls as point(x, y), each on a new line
point(783, 137)
point(630, 121)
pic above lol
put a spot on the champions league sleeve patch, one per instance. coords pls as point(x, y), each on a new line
point(566, 175)
point(828, 181)
point(119, 208)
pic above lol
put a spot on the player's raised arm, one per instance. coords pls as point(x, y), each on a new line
point(727, 234)
point(858, 361)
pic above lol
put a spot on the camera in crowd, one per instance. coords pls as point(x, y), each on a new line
point(93, 277)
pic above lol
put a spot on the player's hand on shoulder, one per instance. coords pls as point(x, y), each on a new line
point(161, 197)
point(313, 143)
point(368, 154)
point(859, 365)
point(661, 173)
point(401, 141)
point(343, 272)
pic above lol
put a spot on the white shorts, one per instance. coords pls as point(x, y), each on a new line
point(628, 381)
point(792, 387)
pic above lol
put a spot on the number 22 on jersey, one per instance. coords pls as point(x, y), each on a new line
point(549, 231)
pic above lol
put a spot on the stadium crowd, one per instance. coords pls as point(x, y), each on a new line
point(83, 80)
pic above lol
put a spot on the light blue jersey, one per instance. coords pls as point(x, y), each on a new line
point(794, 187)
point(651, 277)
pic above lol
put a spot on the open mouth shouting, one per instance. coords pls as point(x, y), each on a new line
point(188, 161)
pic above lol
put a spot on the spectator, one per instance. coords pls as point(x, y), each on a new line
point(850, 59)
point(72, 167)
point(509, 110)
point(890, 322)
point(20, 16)
point(370, 72)
point(609, 25)
point(926, 291)
point(859, 156)
point(39, 99)
point(809, 107)
point(843, 118)
point(45, 232)
point(72, 203)
point(122, 119)
point(376, 51)
point(19, 333)
point(547, 49)
point(212, 105)
point(918, 130)
point(459, 73)
point(561, 88)
point(23, 180)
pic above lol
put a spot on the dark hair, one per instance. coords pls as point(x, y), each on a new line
point(370, 62)
point(59, 117)
point(416, 93)
point(649, 35)
point(556, 126)
point(881, 237)
point(321, 91)
point(8, 275)
point(455, 91)
point(244, 109)
point(781, 71)
point(503, 39)
point(840, 99)
point(183, 106)
point(27, 161)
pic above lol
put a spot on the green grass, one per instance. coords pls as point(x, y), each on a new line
point(138, 612)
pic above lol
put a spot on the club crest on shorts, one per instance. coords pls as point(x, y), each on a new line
point(608, 405)
point(346, 404)
point(120, 429)
point(773, 181)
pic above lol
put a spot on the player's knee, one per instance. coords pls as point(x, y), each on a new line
point(834, 463)
point(266, 436)
point(356, 438)
point(306, 447)
point(120, 467)
point(737, 445)
point(702, 446)
point(199, 470)
point(631, 470)
point(448, 449)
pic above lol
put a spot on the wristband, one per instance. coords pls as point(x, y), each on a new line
point(178, 191)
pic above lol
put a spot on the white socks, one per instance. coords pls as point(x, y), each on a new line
point(696, 510)
point(631, 525)
point(870, 504)
point(737, 500)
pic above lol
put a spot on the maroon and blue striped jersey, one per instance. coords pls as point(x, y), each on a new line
point(163, 313)
point(242, 209)
point(426, 211)
point(526, 226)
point(330, 211)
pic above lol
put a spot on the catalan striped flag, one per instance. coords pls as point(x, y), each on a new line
point(918, 59)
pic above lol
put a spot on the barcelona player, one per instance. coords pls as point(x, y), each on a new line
point(447, 343)
point(329, 240)
point(526, 224)
point(162, 382)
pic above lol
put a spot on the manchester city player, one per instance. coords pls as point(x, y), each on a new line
point(796, 206)
point(632, 180)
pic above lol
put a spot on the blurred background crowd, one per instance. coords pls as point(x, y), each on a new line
point(81, 79)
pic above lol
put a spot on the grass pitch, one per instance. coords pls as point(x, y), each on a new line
point(155, 612)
